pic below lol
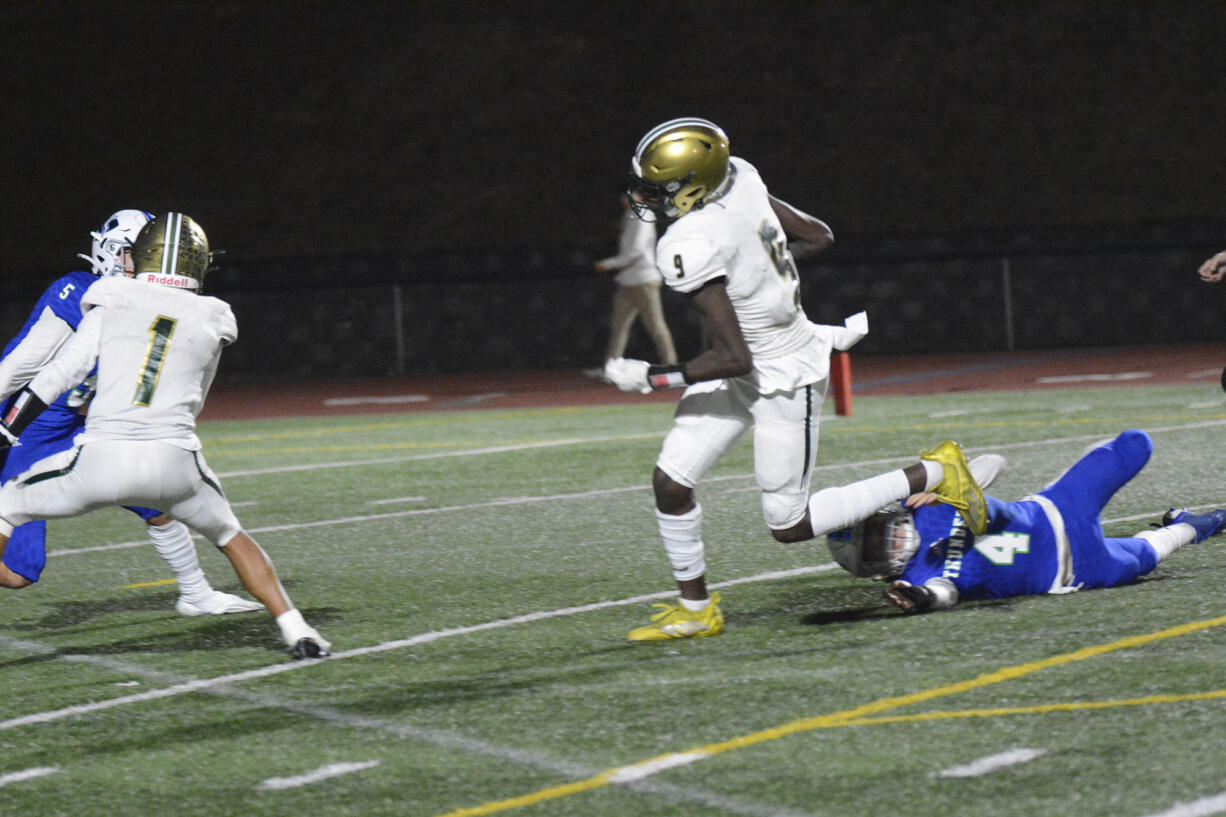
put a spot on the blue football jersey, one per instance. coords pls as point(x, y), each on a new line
point(1018, 556)
point(63, 297)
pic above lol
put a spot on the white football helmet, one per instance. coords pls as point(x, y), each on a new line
point(878, 547)
point(117, 234)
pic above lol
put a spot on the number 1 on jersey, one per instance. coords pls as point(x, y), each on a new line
point(161, 330)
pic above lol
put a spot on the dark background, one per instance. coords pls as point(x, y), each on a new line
point(469, 153)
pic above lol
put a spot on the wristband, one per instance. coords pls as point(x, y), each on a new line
point(26, 406)
point(666, 377)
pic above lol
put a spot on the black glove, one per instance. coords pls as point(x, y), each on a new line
point(25, 407)
point(910, 598)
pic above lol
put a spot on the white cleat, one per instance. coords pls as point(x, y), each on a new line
point(215, 603)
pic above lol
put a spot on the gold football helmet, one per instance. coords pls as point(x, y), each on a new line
point(173, 251)
point(678, 166)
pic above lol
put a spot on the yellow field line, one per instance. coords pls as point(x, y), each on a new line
point(158, 583)
point(1039, 709)
point(844, 718)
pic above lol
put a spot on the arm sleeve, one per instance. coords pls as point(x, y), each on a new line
point(39, 345)
point(690, 264)
point(945, 594)
point(74, 361)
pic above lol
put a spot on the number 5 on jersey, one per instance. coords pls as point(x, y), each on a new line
point(161, 330)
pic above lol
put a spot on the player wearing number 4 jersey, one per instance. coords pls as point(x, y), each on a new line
point(156, 344)
point(1049, 542)
point(726, 248)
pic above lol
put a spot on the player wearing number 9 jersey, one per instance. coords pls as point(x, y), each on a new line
point(156, 344)
point(726, 247)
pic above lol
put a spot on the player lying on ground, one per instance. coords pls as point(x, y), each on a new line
point(156, 343)
point(1049, 542)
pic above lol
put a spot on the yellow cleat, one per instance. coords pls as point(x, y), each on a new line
point(677, 622)
point(958, 487)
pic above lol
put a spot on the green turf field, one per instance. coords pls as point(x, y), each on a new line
point(477, 572)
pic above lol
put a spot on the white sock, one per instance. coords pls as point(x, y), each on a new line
point(682, 537)
point(294, 627)
point(173, 542)
point(844, 505)
point(936, 473)
point(1166, 541)
point(695, 606)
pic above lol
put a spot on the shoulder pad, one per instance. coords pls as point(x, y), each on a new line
point(98, 294)
point(688, 262)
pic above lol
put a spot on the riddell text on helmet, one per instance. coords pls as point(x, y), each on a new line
point(181, 281)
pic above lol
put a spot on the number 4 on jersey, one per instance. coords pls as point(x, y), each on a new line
point(162, 329)
point(1003, 548)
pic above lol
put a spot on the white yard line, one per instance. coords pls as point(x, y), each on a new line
point(322, 773)
point(991, 763)
point(437, 455)
point(1214, 804)
point(27, 774)
point(204, 684)
point(640, 771)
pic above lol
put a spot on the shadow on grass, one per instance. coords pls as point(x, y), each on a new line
point(167, 632)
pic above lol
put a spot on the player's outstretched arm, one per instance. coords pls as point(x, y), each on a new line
point(934, 594)
point(806, 234)
point(1214, 269)
point(728, 354)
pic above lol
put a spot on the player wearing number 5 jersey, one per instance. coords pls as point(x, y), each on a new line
point(726, 248)
point(156, 344)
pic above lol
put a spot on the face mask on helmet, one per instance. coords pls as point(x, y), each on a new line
point(116, 235)
point(878, 547)
point(172, 251)
point(678, 166)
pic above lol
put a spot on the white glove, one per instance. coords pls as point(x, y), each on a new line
point(627, 374)
point(7, 438)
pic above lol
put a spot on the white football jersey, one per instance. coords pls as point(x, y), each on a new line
point(739, 237)
point(157, 350)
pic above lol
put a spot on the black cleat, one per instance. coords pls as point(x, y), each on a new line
point(308, 648)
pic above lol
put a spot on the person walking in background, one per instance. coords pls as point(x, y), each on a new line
point(1214, 268)
point(638, 289)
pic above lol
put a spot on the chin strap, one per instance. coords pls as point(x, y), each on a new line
point(26, 406)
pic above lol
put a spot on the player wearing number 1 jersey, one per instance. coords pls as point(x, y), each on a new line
point(50, 324)
point(156, 343)
point(726, 248)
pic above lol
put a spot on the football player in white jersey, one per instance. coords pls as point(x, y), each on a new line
point(726, 248)
point(156, 342)
point(50, 324)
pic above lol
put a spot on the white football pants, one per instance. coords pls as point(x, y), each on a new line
point(121, 472)
point(712, 416)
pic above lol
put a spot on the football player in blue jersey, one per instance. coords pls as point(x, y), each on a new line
point(52, 322)
point(1048, 542)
